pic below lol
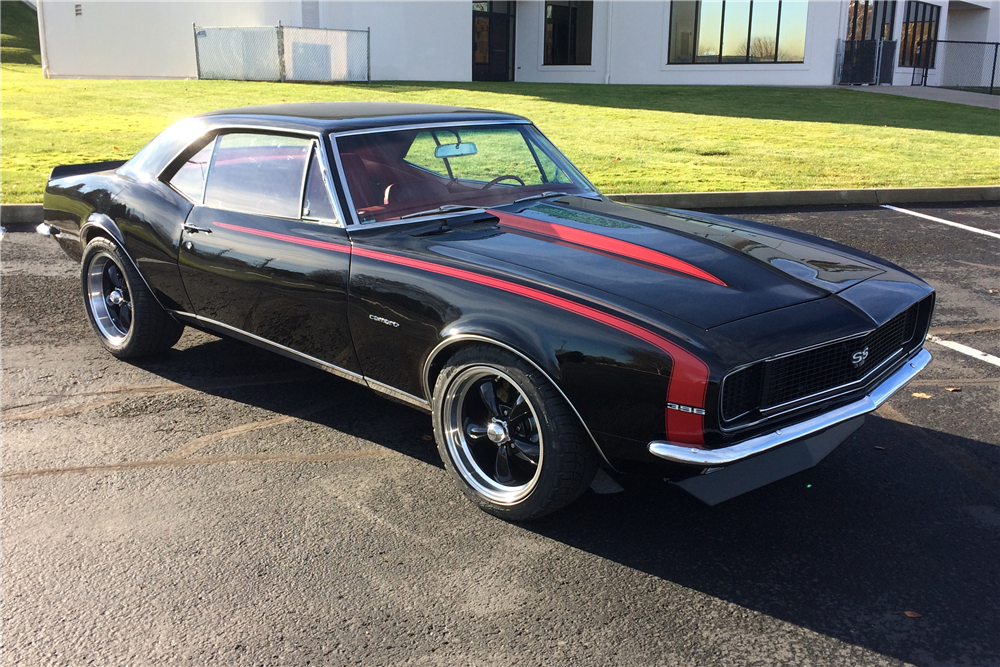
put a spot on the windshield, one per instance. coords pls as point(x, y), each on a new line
point(398, 174)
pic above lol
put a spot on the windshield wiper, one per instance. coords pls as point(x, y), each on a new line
point(541, 196)
point(447, 208)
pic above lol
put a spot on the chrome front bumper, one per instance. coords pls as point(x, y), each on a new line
point(788, 434)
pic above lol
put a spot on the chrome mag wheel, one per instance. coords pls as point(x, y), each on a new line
point(109, 298)
point(492, 434)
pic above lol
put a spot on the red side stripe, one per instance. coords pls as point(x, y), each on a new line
point(298, 240)
point(688, 378)
point(605, 243)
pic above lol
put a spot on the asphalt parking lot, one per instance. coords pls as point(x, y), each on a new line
point(222, 505)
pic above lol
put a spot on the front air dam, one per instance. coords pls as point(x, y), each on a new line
point(738, 478)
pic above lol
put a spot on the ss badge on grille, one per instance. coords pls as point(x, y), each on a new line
point(858, 358)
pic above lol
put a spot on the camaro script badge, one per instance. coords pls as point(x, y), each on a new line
point(859, 357)
point(396, 324)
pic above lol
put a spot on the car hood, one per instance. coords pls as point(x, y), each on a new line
point(705, 270)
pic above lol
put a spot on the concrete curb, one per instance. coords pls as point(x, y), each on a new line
point(769, 198)
point(24, 217)
point(19, 215)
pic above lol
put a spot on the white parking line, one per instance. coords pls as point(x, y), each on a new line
point(943, 222)
point(965, 349)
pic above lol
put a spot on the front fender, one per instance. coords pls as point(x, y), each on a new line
point(436, 359)
point(615, 384)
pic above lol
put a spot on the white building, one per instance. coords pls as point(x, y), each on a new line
point(758, 42)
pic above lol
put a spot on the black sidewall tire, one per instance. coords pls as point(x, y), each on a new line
point(152, 329)
point(569, 460)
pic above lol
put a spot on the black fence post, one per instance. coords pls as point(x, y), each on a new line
point(993, 74)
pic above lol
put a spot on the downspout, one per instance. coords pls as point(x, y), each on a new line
point(607, 60)
point(41, 38)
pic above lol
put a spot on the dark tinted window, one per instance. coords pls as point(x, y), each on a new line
point(569, 26)
point(190, 179)
point(258, 173)
point(317, 202)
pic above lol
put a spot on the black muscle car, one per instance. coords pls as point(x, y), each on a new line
point(454, 259)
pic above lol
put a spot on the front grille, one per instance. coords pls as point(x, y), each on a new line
point(776, 382)
point(742, 392)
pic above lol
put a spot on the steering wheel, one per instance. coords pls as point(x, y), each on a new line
point(505, 177)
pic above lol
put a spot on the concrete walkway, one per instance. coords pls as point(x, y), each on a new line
point(938, 94)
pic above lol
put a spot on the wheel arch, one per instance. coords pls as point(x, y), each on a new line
point(100, 225)
point(451, 344)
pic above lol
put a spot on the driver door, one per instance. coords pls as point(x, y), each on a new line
point(264, 251)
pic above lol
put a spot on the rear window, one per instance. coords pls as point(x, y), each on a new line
point(154, 156)
point(258, 173)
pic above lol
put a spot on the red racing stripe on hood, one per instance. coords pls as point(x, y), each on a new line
point(688, 375)
point(603, 243)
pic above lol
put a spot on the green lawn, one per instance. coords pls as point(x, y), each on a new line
point(625, 138)
point(18, 34)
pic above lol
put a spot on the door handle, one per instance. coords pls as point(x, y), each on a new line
point(194, 230)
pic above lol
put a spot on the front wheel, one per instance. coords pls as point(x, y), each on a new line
point(126, 318)
point(508, 437)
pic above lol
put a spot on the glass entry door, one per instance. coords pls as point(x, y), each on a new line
point(493, 41)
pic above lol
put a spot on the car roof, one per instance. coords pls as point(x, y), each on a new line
point(345, 116)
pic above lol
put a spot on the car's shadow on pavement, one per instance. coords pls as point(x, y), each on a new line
point(883, 526)
point(241, 372)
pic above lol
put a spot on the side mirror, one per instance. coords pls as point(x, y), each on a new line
point(455, 150)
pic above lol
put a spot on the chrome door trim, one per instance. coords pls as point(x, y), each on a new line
point(399, 394)
point(341, 174)
point(276, 347)
point(375, 385)
point(432, 126)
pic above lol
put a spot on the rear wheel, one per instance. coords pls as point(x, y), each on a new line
point(126, 318)
point(507, 435)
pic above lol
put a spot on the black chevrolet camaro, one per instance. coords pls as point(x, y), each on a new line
point(455, 260)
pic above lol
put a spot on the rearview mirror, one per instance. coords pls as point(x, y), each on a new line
point(455, 150)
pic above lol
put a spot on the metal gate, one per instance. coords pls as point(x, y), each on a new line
point(869, 61)
point(279, 53)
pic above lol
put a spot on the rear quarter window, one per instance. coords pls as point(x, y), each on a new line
point(190, 178)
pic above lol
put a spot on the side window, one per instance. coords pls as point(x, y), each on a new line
point(552, 172)
point(190, 179)
point(316, 203)
point(258, 173)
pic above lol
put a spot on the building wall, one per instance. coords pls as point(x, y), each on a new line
point(639, 40)
point(413, 41)
point(431, 41)
point(141, 39)
point(529, 49)
point(971, 21)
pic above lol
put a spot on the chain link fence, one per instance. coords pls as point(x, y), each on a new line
point(279, 53)
point(971, 66)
